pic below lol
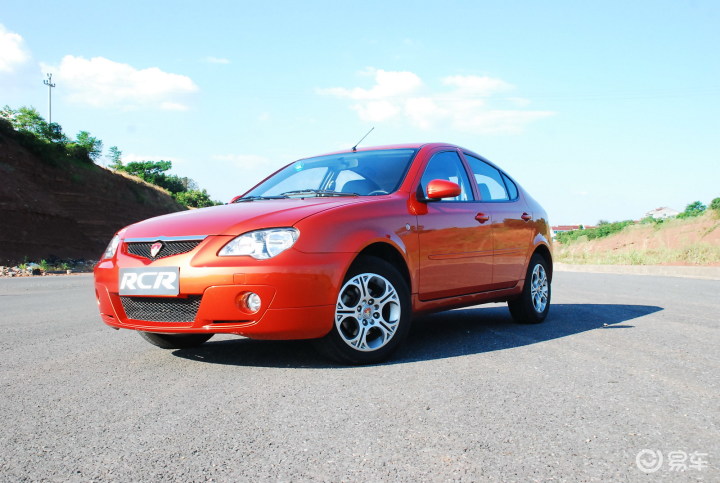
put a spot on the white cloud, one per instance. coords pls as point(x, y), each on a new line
point(467, 103)
point(471, 85)
point(387, 84)
point(422, 110)
point(519, 101)
point(173, 106)
point(497, 121)
point(376, 111)
point(13, 52)
point(217, 60)
point(100, 82)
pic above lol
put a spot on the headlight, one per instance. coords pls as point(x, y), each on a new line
point(261, 244)
point(112, 247)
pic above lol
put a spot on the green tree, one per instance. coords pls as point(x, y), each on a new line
point(92, 145)
point(7, 112)
point(195, 199)
point(28, 120)
point(189, 184)
point(115, 157)
point(715, 205)
point(53, 133)
point(172, 183)
point(149, 171)
point(695, 208)
point(155, 172)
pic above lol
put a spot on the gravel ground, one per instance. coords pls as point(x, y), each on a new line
point(624, 363)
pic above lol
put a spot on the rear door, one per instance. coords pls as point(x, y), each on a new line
point(512, 232)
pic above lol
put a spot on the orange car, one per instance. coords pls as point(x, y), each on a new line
point(344, 248)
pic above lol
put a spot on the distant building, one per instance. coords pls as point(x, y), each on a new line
point(562, 228)
point(663, 212)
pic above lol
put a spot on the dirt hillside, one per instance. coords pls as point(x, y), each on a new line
point(69, 211)
point(693, 241)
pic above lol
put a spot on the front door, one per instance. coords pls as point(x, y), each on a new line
point(456, 245)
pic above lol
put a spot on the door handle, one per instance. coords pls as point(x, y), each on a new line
point(482, 217)
point(526, 216)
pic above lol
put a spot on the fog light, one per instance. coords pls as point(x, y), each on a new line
point(252, 301)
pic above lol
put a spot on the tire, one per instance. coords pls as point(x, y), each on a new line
point(175, 341)
point(533, 305)
point(372, 314)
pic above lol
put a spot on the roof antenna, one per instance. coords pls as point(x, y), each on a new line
point(361, 140)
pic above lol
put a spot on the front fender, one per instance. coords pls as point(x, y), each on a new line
point(355, 228)
point(351, 228)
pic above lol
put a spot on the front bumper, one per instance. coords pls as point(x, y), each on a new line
point(297, 292)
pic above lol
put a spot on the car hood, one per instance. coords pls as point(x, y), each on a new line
point(235, 218)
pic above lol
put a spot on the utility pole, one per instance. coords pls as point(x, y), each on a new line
point(48, 82)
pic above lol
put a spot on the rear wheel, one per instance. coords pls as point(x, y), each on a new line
point(175, 341)
point(533, 304)
point(372, 314)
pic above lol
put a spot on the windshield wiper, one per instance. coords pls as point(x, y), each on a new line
point(318, 193)
point(256, 198)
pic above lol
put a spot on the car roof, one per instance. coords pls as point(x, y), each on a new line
point(389, 146)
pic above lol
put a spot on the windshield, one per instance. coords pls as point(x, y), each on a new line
point(365, 173)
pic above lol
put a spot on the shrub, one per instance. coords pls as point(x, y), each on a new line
point(715, 205)
point(604, 229)
point(195, 199)
point(695, 208)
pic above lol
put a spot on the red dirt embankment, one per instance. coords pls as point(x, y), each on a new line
point(691, 241)
point(68, 211)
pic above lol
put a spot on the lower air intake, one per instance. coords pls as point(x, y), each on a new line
point(160, 309)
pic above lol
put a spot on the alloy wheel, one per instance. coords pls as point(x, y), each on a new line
point(368, 312)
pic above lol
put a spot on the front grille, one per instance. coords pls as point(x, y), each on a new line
point(169, 248)
point(160, 309)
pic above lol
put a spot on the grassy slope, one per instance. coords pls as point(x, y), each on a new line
point(693, 241)
point(68, 210)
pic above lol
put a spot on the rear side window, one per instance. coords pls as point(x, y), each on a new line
point(511, 187)
point(489, 180)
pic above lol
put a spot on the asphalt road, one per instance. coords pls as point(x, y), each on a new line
point(623, 364)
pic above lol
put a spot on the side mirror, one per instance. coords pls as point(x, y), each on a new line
point(438, 189)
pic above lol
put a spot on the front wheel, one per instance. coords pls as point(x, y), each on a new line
point(372, 314)
point(533, 304)
point(175, 341)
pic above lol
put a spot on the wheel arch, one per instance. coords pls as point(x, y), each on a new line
point(390, 254)
point(544, 252)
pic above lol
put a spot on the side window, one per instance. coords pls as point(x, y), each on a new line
point(489, 181)
point(512, 189)
point(447, 165)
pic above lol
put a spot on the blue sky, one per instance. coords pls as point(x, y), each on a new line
point(601, 110)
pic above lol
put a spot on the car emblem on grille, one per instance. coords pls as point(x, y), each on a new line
point(155, 249)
